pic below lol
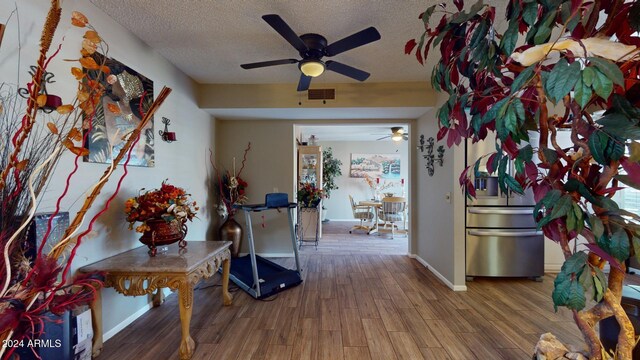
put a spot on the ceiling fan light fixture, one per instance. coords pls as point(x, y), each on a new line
point(397, 130)
point(396, 136)
point(312, 67)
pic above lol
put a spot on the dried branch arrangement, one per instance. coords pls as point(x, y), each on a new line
point(31, 148)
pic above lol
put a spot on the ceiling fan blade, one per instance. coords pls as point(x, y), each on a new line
point(384, 137)
point(360, 38)
point(285, 31)
point(305, 81)
point(268, 63)
point(347, 70)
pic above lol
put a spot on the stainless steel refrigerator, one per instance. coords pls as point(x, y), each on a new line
point(501, 235)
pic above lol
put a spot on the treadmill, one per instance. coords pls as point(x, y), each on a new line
point(256, 275)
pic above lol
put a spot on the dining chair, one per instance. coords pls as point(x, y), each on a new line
point(362, 213)
point(393, 210)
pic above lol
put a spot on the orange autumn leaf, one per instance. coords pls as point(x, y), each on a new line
point(64, 109)
point(84, 53)
point(89, 63)
point(68, 144)
point(88, 107)
point(22, 164)
point(92, 84)
point(89, 46)
point(77, 73)
point(53, 128)
point(105, 69)
point(80, 151)
point(92, 36)
point(41, 100)
point(83, 95)
point(115, 109)
point(75, 134)
point(78, 19)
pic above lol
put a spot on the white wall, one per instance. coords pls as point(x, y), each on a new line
point(338, 206)
point(184, 162)
point(440, 222)
point(269, 167)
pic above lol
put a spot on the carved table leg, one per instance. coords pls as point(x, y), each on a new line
point(185, 296)
point(158, 297)
point(226, 296)
point(96, 319)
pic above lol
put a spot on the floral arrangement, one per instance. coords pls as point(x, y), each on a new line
point(168, 203)
point(309, 195)
point(33, 138)
point(230, 187)
point(375, 184)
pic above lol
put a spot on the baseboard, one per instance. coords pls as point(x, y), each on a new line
point(438, 275)
point(552, 268)
point(271, 255)
point(133, 317)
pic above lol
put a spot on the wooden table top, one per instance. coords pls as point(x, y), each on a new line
point(173, 260)
point(370, 203)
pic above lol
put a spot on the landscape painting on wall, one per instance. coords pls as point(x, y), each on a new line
point(128, 95)
point(384, 166)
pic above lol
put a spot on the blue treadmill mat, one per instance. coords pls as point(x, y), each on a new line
point(275, 277)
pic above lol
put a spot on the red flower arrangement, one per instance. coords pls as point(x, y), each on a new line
point(168, 203)
point(231, 188)
point(309, 195)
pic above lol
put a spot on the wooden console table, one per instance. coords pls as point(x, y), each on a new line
point(135, 273)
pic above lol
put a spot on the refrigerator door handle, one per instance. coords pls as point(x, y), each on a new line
point(473, 210)
point(504, 233)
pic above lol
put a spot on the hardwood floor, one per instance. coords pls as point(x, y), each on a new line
point(356, 306)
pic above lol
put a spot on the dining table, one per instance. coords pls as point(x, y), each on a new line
point(375, 205)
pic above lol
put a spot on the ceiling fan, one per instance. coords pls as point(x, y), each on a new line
point(313, 47)
point(397, 134)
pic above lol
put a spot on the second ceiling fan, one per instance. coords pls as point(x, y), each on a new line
point(313, 47)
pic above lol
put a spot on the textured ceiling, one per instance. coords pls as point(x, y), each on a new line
point(209, 39)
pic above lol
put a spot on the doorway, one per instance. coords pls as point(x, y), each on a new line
point(381, 167)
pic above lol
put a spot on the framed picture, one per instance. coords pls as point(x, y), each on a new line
point(385, 166)
point(127, 97)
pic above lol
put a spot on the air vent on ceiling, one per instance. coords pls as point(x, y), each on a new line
point(322, 94)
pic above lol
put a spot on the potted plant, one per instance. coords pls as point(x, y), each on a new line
point(577, 57)
point(330, 171)
point(309, 195)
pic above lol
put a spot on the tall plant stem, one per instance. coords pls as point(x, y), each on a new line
point(77, 220)
point(53, 19)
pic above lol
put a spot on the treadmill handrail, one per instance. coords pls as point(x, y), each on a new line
point(262, 207)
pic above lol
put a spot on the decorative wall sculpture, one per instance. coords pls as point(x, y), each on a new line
point(431, 159)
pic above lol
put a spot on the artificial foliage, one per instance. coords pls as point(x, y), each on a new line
point(229, 187)
point(167, 203)
point(330, 171)
point(552, 66)
point(32, 147)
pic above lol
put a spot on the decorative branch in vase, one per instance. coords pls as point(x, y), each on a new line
point(33, 288)
point(230, 191)
point(377, 186)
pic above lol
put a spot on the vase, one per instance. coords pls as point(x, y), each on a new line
point(230, 230)
point(164, 233)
